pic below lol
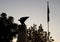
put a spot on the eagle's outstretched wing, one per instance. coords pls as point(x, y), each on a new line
point(23, 19)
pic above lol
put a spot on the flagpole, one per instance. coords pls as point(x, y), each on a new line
point(48, 20)
point(48, 30)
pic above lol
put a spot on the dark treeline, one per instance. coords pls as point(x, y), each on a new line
point(37, 35)
point(9, 29)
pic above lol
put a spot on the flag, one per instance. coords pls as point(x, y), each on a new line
point(48, 11)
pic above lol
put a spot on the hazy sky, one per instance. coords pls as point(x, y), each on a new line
point(37, 12)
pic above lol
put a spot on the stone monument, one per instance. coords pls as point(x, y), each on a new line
point(22, 30)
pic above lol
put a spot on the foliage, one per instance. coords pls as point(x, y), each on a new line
point(9, 29)
point(37, 35)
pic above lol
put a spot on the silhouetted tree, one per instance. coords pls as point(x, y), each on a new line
point(8, 29)
point(3, 19)
point(37, 35)
point(12, 28)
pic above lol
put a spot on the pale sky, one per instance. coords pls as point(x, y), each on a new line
point(37, 12)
